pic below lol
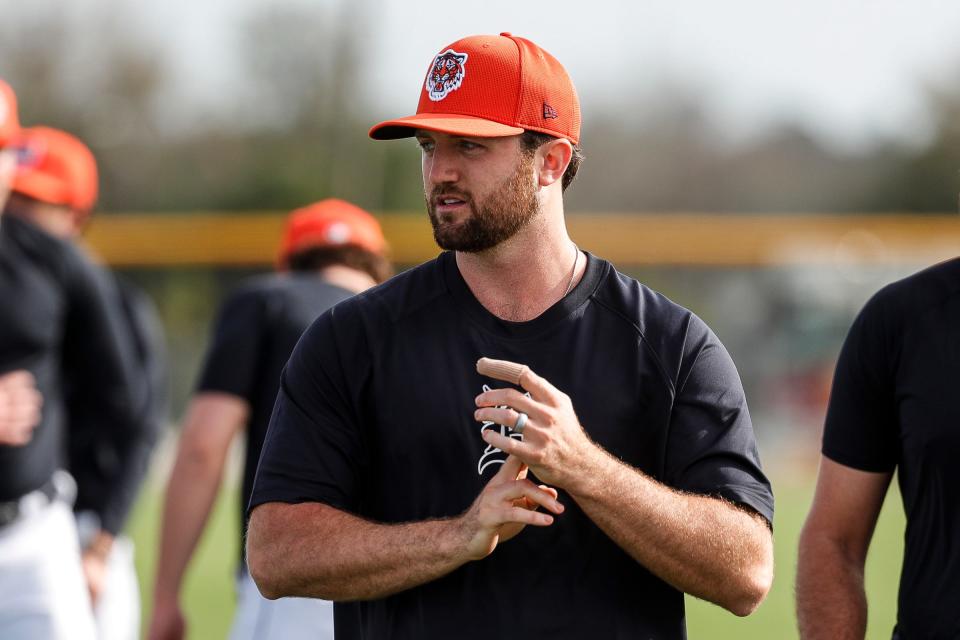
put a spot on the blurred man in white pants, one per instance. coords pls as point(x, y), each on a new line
point(54, 323)
point(55, 188)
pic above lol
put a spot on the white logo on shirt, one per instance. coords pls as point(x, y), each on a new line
point(492, 455)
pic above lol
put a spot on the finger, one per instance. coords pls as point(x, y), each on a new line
point(518, 374)
point(24, 417)
point(510, 470)
point(550, 490)
point(526, 516)
point(510, 446)
point(531, 493)
point(506, 417)
point(18, 378)
point(501, 369)
point(509, 398)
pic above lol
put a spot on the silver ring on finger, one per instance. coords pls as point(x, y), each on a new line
point(521, 422)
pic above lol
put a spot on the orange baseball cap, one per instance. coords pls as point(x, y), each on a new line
point(9, 122)
point(330, 223)
point(492, 86)
point(54, 166)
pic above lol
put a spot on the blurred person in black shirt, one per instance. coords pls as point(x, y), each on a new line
point(19, 400)
point(893, 407)
point(330, 251)
point(55, 189)
point(57, 323)
point(403, 479)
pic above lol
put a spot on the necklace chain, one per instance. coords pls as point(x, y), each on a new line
point(573, 273)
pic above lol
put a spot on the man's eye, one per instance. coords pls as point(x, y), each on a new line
point(466, 145)
point(425, 145)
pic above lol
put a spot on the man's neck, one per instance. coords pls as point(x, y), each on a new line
point(524, 276)
point(347, 278)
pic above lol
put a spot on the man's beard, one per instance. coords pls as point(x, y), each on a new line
point(508, 208)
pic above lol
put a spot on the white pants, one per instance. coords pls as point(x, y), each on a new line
point(118, 608)
point(284, 619)
point(43, 593)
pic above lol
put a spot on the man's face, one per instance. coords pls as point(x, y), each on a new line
point(479, 191)
point(56, 219)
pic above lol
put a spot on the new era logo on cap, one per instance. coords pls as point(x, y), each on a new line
point(513, 85)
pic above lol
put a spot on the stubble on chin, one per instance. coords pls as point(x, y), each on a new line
point(509, 207)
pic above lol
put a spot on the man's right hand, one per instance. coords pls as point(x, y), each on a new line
point(167, 622)
point(506, 505)
point(20, 404)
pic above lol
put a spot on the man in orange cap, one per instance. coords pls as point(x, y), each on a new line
point(19, 400)
point(55, 189)
point(56, 323)
point(330, 251)
point(398, 469)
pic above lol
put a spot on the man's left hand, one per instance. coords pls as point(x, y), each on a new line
point(94, 561)
point(554, 445)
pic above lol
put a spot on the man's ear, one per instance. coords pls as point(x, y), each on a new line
point(552, 160)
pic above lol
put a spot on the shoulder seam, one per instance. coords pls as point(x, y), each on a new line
point(643, 338)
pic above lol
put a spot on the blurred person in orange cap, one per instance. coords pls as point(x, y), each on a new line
point(55, 184)
point(55, 188)
point(19, 400)
point(512, 440)
point(58, 324)
point(330, 251)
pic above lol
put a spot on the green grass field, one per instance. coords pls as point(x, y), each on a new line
point(209, 596)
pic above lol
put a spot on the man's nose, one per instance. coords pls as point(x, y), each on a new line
point(441, 166)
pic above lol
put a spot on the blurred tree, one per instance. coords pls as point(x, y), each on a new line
point(927, 179)
point(291, 126)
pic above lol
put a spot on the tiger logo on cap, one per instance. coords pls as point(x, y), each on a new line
point(446, 74)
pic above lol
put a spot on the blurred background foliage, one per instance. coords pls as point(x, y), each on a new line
point(292, 129)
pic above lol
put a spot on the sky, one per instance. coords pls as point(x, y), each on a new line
point(851, 71)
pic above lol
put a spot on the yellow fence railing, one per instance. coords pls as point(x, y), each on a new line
point(225, 239)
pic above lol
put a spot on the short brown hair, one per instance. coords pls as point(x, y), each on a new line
point(347, 255)
point(530, 141)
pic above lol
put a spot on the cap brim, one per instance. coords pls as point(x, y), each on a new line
point(453, 124)
point(40, 186)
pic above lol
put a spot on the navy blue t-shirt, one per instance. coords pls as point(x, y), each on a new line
point(375, 417)
point(110, 470)
point(256, 329)
point(57, 321)
point(894, 405)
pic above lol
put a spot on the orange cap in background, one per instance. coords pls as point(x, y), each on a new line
point(492, 86)
point(9, 122)
point(330, 223)
point(54, 166)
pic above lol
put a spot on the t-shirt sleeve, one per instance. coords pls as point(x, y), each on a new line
point(233, 359)
point(106, 398)
point(313, 450)
point(711, 447)
point(861, 425)
point(99, 358)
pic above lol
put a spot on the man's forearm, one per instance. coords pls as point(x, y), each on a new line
point(190, 495)
point(700, 545)
point(313, 550)
point(831, 602)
